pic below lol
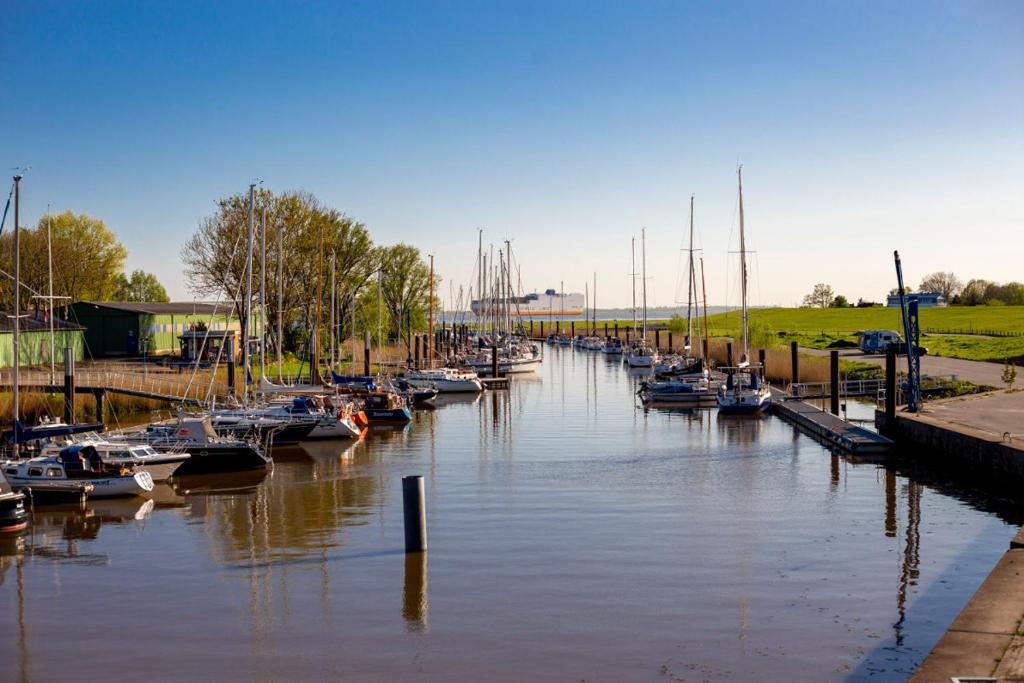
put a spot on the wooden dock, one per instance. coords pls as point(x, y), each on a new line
point(830, 429)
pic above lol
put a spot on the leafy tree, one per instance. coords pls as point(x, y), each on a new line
point(405, 286)
point(308, 231)
point(142, 286)
point(820, 297)
point(973, 293)
point(87, 258)
point(840, 302)
point(945, 283)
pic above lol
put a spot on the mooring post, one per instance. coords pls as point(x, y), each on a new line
point(616, 330)
point(572, 328)
point(760, 359)
point(417, 343)
point(366, 354)
point(670, 342)
point(101, 399)
point(531, 327)
point(606, 330)
point(494, 361)
point(657, 339)
point(890, 386)
point(542, 330)
point(230, 348)
point(415, 514)
point(794, 362)
point(728, 354)
point(833, 373)
point(69, 385)
point(707, 355)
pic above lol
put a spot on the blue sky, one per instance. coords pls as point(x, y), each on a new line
point(862, 127)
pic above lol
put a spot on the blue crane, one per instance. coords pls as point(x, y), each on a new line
point(912, 333)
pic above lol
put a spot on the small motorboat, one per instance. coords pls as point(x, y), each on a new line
point(384, 407)
point(445, 380)
point(80, 465)
point(210, 453)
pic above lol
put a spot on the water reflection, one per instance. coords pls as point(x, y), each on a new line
point(414, 592)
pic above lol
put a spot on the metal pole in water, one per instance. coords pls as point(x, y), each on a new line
point(834, 381)
point(415, 514)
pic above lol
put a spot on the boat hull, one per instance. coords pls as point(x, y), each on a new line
point(13, 515)
point(211, 459)
point(387, 415)
point(447, 386)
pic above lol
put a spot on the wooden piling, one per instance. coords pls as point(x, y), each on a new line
point(366, 354)
point(657, 340)
point(728, 354)
point(890, 386)
point(69, 385)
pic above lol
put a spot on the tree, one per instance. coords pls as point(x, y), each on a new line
point(87, 259)
point(308, 231)
point(945, 283)
point(840, 302)
point(142, 286)
point(973, 293)
point(820, 297)
point(405, 286)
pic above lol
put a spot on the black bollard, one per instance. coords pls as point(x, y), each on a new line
point(616, 330)
point(494, 361)
point(417, 343)
point(415, 514)
point(657, 340)
point(890, 386)
point(760, 359)
point(69, 386)
point(572, 328)
point(834, 381)
point(670, 342)
point(728, 354)
point(794, 360)
point(606, 330)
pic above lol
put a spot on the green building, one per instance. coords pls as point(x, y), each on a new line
point(130, 328)
point(34, 340)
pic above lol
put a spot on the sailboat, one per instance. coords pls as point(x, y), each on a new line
point(641, 353)
point(745, 391)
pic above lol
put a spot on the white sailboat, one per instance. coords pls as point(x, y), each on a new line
point(641, 354)
point(745, 391)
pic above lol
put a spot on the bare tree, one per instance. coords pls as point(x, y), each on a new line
point(947, 284)
point(821, 296)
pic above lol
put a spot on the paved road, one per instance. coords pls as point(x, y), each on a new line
point(970, 370)
point(998, 413)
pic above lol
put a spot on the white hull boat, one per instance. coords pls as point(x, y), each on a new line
point(78, 464)
point(446, 381)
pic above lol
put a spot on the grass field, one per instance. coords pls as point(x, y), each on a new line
point(991, 333)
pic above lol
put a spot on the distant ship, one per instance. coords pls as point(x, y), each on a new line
point(532, 305)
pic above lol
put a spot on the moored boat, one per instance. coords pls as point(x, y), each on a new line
point(13, 515)
point(79, 464)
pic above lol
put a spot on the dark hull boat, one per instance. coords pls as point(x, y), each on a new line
point(209, 453)
point(13, 515)
point(219, 458)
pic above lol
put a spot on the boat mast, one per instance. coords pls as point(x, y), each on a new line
point(743, 266)
point(246, 316)
point(594, 307)
point(430, 316)
point(643, 268)
point(280, 301)
point(334, 309)
point(586, 302)
point(17, 308)
point(633, 277)
point(49, 302)
point(689, 285)
point(479, 273)
point(263, 292)
point(704, 292)
point(380, 319)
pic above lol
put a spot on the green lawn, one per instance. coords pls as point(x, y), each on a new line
point(822, 328)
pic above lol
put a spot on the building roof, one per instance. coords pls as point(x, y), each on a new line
point(32, 322)
point(168, 308)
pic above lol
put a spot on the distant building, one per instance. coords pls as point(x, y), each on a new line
point(34, 339)
point(119, 328)
point(924, 299)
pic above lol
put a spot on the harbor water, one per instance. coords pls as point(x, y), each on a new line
point(572, 536)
